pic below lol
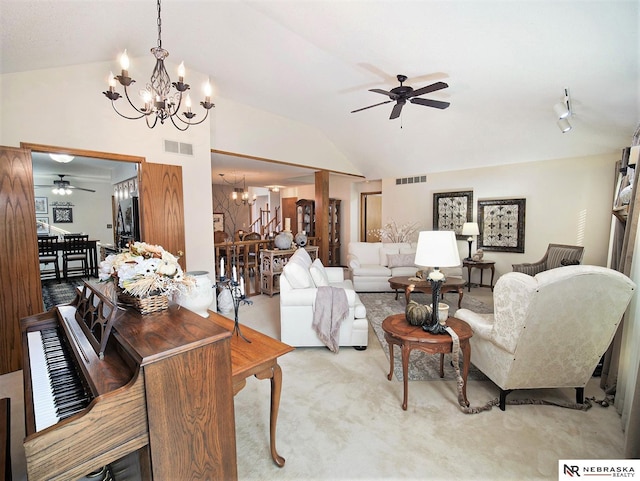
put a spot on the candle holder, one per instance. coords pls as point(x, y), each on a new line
point(238, 298)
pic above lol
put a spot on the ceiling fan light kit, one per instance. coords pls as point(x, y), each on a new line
point(403, 93)
point(563, 112)
point(159, 103)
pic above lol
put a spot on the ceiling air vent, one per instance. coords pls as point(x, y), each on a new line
point(417, 179)
point(174, 147)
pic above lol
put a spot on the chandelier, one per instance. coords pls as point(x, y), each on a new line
point(243, 198)
point(159, 103)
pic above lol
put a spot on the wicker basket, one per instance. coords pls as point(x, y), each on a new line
point(145, 305)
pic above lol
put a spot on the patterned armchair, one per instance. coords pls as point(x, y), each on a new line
point(557, 255)
point(548, 331)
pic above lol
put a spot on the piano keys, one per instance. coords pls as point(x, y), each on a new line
point(126, 399)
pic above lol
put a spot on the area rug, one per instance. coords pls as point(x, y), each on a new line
point(422, 366)
point(63, 293)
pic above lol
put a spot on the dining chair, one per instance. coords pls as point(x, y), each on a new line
point(48, 254)
point(74, 250)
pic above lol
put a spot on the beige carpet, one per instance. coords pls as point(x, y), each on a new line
point(340, 419)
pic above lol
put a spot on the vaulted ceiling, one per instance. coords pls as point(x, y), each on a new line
point(506, 63)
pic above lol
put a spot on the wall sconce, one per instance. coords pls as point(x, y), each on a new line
point(563, 112)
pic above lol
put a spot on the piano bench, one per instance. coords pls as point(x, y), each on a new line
point(5, 438)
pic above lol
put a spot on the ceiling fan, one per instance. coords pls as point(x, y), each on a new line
point(404, 92)
point(63, 186)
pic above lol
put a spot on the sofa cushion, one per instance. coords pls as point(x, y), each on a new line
point(303, 256)
point(385, 252)
point(365, 252)
point(319, 273)
point(372, 270)
point(401, 260)
point(297, 273)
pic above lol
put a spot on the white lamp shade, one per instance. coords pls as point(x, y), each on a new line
point(470, 228)
point(437, 249)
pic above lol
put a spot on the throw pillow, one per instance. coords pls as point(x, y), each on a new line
point(569, 262)
point(303, 255)
point(319, 273)
point(385, 252)
point(297, 273)
point(401, 260)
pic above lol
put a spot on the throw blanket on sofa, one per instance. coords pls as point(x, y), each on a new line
point(329, 310)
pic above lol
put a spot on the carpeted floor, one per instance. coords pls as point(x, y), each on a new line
point(422, 366)
point(63, 293)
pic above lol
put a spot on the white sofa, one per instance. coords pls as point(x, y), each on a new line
point(372, 264)
point(298, 288)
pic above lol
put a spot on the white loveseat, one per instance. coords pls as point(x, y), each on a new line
point(299, 284)
point(372, 264)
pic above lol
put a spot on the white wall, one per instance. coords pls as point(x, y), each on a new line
point(568, 201)
point(75, 114)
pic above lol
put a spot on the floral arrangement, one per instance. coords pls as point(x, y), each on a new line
point(145, 270)
point(392, 232)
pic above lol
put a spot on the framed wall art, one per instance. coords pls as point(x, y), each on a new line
point(218, 221)
point(501, 224)
point(62, 215)
point(451, 210)
point(42, 205)
point(42, 226)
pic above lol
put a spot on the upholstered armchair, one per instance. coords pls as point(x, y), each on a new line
point(550, 330)
point(557, 255)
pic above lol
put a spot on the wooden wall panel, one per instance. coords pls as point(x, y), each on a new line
point(20, 293)
point(162, 207)
point(322, 214)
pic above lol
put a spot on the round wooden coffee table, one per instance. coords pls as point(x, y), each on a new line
point(451, 284)
point(398, 331)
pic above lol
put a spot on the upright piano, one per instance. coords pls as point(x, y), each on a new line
point(141, 397)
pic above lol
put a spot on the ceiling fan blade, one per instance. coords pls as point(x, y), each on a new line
point(80, 188)
point(383, 92)
point(374, 105)
point(429, 88)
point(397, 108)
point(430, 103)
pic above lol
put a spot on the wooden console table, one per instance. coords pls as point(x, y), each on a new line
point(257, 358)
point(271, 263)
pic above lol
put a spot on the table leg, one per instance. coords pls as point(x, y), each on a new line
point(465, 346)
point(390, 375)
point(406, 350)
point(407, 296)
point(460, 294)
point(442, 365)
point(275, 374)
point(469, 277)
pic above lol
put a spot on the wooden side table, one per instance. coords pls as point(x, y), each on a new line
point(482, 265)
point(398, 331)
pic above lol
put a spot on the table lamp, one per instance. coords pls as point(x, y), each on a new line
point(470, 229)
point(437, 249)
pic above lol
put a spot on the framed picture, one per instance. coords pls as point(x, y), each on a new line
point(218, 221)
point(501, 224)
point(62, 215)
point(451, 210)
point(42, 226)
point(42, 205)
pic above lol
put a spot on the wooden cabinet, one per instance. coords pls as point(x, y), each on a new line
point(306, 217)
point(271, 263)
point(306, 222)
point(334, 232)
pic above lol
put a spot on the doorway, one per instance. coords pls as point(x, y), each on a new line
point(370, 216)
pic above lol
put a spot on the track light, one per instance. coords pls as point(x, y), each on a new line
point(564, 125)
point(563, 112)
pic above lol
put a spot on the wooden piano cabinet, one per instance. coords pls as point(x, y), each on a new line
point(191, 437)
